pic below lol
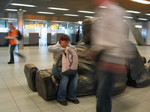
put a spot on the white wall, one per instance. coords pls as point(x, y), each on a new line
point(131, 37)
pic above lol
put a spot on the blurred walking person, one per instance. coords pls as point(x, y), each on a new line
point(12, 39)
point(109, 41)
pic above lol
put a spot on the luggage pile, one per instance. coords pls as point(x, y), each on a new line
point(41, 81)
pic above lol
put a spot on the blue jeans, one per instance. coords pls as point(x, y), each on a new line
point(105, 81)
point(67, 86)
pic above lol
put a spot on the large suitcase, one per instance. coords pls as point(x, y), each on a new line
point(119, 84)
point(46, 84)
point(86, 81)
point(30, 73)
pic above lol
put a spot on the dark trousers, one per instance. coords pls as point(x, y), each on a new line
point(12, 48)
point(105, 81)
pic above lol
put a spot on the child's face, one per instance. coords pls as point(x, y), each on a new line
point(9, 25)
point(64, 43)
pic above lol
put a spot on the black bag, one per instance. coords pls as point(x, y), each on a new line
point(30, 73)
point(19, 36)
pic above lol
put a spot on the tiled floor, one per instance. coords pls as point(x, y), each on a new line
point(15, 96)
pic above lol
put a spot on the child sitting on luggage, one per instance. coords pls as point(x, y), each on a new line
point(68, 84)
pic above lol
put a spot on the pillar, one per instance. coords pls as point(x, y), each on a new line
point(20, 25)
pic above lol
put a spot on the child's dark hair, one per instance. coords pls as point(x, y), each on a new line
point(64, 37)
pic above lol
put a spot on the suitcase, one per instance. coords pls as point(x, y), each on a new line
point(86, 80)
point(119, 84)
point(88, 83)
point(30, 73)
point(46, 84)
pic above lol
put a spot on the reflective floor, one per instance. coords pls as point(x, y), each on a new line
point(15, 96)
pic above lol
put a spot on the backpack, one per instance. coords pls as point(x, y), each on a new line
point(19, 36)
point(69, 62)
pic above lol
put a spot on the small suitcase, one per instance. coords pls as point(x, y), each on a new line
point(30, 73)
point(46, 84)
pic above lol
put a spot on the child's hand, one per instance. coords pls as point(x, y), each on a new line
point(64, 49)
point(6, 37)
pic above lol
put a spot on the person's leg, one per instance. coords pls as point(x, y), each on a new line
point(72, 89)
point(12, 47)
point(18, 54)
point(62, 91)
point(104, 91)
point(56, 72)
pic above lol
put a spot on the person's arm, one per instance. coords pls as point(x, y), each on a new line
point(14, 35)
point(55, 48)
point(7, 37)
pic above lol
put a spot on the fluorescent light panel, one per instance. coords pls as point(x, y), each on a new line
point(70, 15)
point(88, 16)
point(14, 10)
point(128, 17)
point(55, 8)
point(80, 22)
point(141, 1)
point(103, 7)
point(86, 11)
point(130, 11)
point(45, 12)
point(138, 26)
point(142, 19)
point(148, 14)
point(24, 5)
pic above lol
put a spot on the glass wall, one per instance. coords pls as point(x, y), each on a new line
point(4, 30)
point(37, 28)
point(56, 28)
point(3, 24)
point(37, 31)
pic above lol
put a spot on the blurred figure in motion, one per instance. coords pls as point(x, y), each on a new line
point(12, 39)
point(110, 46)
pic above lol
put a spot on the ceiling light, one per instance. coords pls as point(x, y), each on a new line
point(9, 19)
point(128, 17)
point(138, 26)
point(45, 12)
point(89, 16)
point(70, 15)
point(148, 14)
point(142, 19)
point(24, 5)
point(14, 10)
point(80, 22)
point(86, 11)
point(141, 1)
point(55, 8)
point(130, 11)
point(103, 7)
